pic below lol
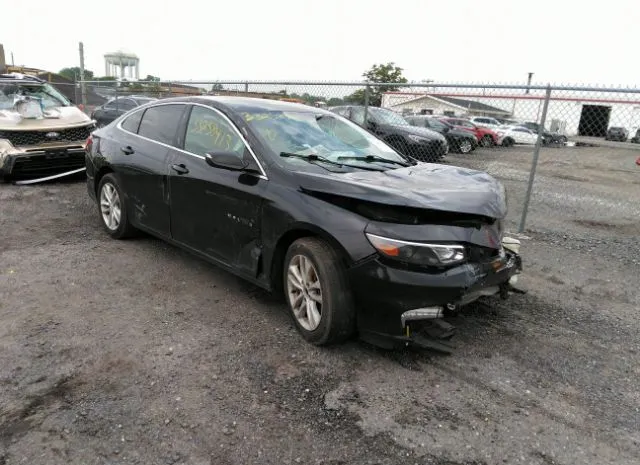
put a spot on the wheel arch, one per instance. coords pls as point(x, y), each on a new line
point(298, 231)
point(100, 174)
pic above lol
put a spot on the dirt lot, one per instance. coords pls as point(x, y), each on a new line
point(115, 352)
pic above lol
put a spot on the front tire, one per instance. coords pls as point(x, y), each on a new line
point(486, 141)
point(317, 292)
point(508, 142)
point(113, 209)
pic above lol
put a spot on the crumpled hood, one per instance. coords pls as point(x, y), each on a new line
point(425, 185)
point(58, 118)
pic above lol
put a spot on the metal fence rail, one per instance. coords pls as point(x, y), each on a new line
point(533, 118)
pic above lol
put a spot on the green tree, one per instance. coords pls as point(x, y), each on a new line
point(383, 73)
point(151, 78)
point(217, 87)
point(335, 102)
point(73, 73)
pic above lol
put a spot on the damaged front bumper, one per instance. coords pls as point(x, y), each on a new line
point(29, 163)
point(399, 307)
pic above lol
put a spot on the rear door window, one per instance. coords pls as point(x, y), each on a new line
point(160, 123)
point(132, 122)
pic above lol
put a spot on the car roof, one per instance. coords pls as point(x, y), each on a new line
point(238, 103)
point(244, 103)
point(17, 77)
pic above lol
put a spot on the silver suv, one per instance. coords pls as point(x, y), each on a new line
point(41, 132)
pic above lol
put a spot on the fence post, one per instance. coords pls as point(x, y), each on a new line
point(115, 93)
point(83, 88)
point(534, 163)
point(246, 87)
point(366, 104)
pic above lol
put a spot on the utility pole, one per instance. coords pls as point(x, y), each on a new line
point(528, 82)
point(83, 89)
point(12, 63)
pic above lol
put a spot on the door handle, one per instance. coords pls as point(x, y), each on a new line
point(180, 169)
point(127, 150)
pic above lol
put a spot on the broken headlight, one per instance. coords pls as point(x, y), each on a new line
point(418, 253)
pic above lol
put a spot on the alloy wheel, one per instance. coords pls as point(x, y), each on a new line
point(304, 292)
point(465, 146)
point(110, 206)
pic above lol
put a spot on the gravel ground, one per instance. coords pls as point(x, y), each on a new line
point(115, 352)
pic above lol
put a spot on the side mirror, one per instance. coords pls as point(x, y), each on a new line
point(226, 160)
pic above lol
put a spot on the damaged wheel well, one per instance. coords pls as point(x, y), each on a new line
point(283, 244)
point(104, 170)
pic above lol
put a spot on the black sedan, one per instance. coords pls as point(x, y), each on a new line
point(300, 200)
point(458, 140)
point(116, 107)
point(419, 143)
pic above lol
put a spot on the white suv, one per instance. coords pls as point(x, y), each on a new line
point(485, 122)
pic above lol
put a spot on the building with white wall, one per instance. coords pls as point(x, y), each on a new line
point(571, 112)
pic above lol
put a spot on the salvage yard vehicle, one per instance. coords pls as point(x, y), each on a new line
point(510, 135)
point(617, 133)
point(105, 114)
point(300, 200)
point(485, 122)
point(420, 143)
point(41, 132)
point(548, 137)
point(486, 137)
point(459, 140)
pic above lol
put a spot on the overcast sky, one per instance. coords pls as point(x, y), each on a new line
point(561, 41)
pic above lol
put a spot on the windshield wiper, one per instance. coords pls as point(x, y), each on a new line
point(310, 157)
point(373, 158)
point(313, 157)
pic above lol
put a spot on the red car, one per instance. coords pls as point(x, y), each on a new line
point(486, 137)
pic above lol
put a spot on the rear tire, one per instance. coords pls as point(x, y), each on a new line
point(317, 292)
point(112, 208)
point(465, 146)
point(508, 142)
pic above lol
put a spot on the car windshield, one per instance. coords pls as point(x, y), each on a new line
point(318, 133)
point(49, 96)
point(382, 116)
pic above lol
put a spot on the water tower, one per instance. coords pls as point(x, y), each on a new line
point(122, 64)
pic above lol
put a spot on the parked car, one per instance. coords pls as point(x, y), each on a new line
point(116, 107)
point(636, 139)
point(41, 132)
point(292, 198)
point(507, 122)
point(548, 137)
point(485, 122)
point(420, 143)
point(510, 135)
point(486, 137)
point(459, 140)
point(617, 133)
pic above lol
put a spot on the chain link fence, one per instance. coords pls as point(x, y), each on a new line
point(506, 130)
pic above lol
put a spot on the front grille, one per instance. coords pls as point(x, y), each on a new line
point(51, 163)
point(26, 138)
